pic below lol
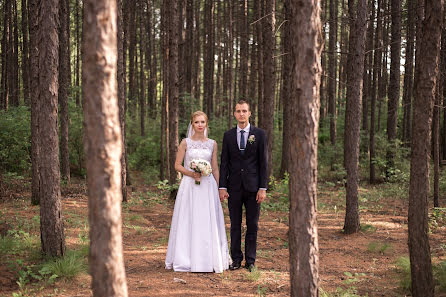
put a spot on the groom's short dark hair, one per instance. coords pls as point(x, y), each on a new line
point(241, 101)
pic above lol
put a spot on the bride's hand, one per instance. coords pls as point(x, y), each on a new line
point(196, 176)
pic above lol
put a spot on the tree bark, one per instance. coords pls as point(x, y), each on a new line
point(132, 57)
point(164, 164)
point(322, 91)
point(408, 72)
point(4, 95)
point(230, 65)
point(208, 67)
point(443, 88)
point(394, 84)
point(103, 147)
point(121, 95)
point(244, 48)
point(368, 69)
point(373, 94)
point(285, 92)
point(305, 29)
point(25, 55)
point(35, 102)
point(253, 74)
point(436, 142)
point(51, 221)
point(425, 83)
point(14, 39)
point(78, 52)
point(64, 73)
point(260, 89)
point(189, 44)
point(196, 72)
point(332, 69)
point(142, 69)
point(173, 88)
point(269, 78)
point(355, 67)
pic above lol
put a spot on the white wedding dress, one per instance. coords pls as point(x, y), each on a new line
point(197, 240)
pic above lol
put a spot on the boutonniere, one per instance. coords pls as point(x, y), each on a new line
point(251, 139)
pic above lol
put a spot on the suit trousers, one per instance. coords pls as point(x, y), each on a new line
point(236, 201)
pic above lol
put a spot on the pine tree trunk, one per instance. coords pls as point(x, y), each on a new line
point(394, 84)
point(189, 44)
point(373, 94)
point(51, 221)
point(426, 71)
point(332, 70)
point(132, 57)
point(35, 102)
point(103, 147)
point(244, 47)
point(305, 28)
point(164, 143)
point(219, 53)
point(285, 93)
point(443, 88)
point(230, 64)
point(15, 91)
point(142, 76)
point(368, 69)
point(269, 78)
point(408, 72)
point(4, 52)
point(322, 91)
point(436, 142)
point(355, 67)
point(173, 88)
point(342, 57)
point(25, 55)
point(260, 89)
point(78, 52)
point(64, 61)
point(383, 73)
point(181, 57)
point(253, 74)
point(151, 62)
point(121, 95)
point(208, 67)
point(196, 69)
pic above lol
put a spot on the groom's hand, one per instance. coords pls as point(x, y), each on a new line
point(223, 194)
point(261, 195)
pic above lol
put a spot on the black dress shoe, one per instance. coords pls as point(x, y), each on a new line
point(250, 267)
point(235, 265)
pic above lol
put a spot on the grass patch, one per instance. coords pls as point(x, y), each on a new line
point(403, 268)
point(440, 275)
point(261, 291)
point(379, 247)
point(254, 275)
point(17, 242)
point(368, 228)
point(67, 267)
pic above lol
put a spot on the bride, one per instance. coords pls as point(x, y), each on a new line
point(197, 240)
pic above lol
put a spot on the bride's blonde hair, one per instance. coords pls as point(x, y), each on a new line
point(197, 114)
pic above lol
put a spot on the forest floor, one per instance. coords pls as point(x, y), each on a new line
point(363, 264)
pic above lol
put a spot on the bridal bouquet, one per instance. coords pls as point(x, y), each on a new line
point(200, 166)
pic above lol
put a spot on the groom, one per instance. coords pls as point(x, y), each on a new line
point(243, 180)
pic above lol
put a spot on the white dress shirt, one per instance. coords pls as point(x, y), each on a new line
point(245, 135)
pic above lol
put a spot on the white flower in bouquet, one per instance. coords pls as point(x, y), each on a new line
point(201, 166)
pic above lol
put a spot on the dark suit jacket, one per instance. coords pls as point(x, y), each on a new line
point(248, 170)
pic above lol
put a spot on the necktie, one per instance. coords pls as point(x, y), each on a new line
point(242, 141)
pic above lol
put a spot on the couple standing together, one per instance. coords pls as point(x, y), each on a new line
point(197, 240)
